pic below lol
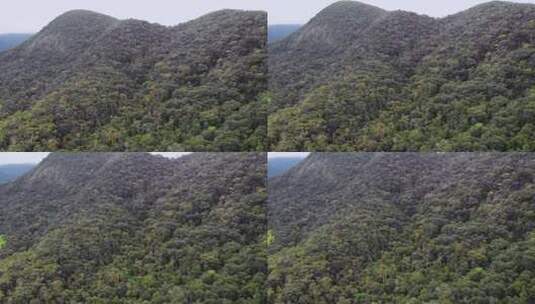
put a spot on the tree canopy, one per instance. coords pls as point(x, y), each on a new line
point(90, 82)
point(403, 228)
point(397, 81)
point(136, 228)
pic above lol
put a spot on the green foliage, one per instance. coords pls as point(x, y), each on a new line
point(136, 228)
point(270, 238)
point(404, 228)
point(407, 83)
point(137, 87)
point(3, 241)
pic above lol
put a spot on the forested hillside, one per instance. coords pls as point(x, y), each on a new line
point(8, 41)
point(403, 228)
point(91, 82)
point(135, 228)
point(357, 77)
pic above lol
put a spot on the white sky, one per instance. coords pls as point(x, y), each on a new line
point(300, 11)
point(8, 158)
point(287, 154)
point(171, 154)
point(36, 157)
point(23, 16)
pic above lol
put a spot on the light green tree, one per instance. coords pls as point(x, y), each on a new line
point(3, 241)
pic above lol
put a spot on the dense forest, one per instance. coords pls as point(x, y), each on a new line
point(8, 41)
point(135, 228)
point(357, 77)
point(90, 82)
point(403, 228)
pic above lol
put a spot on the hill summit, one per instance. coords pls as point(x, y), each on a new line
point(357, 77)
point(135, 227)
point(403, 228)
point(88, 81)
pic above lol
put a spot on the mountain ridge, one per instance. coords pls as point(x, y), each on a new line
point(392, 227)
point(130, 72)
point(383, 89)
point(194, 226)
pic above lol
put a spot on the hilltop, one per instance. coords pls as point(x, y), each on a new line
point(403, 228)
point(357, 77)
point(135, 228)
point(88, 81)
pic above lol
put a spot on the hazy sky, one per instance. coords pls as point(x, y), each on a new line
point(32, 15)
point(284, 11)
point(287, 154)
point(34, 158)
point(21, 158)
point(172, 154)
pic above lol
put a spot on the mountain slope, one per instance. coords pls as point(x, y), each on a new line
point(135, 228)
point(91, 82)
point(403, 228)
point(405, 82)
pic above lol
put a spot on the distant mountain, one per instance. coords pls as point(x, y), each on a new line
point(279, 165)
point(88, 81)
point(8, 41)
point(403, 228)
point(277, 32)
point(357, 77)
point(134, 228)
point(11, 172)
